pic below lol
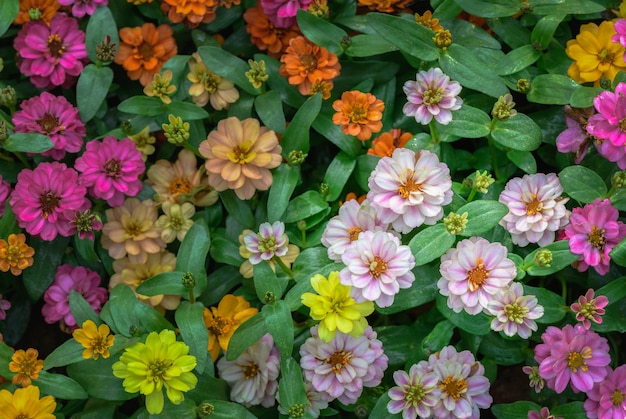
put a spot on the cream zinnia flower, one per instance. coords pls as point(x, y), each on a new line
point(176, 221)
point(209, 87)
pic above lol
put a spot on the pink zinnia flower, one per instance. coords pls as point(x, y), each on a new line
point(473, 273)
point(432, 95)
point(575, 139)
point(607, 399)
point(415, 393)
point(253, 376)
point(611, 107)
point(80, 8)
point(611, 152)
point(57, 297)
point(589, 309)
point(110, 169)
point(339, 369)
point(269, 242)
point(54, 117)
point(5, 191)
point(4, 306)
point(282, 13)
point(85, 223)
point(534, 379)
point(593, 231)
point(45, 198)
point(515, 313)
point(574, 355)
point(544, 413)
point(409, 189)
point(377, 266)
point(51, 55)
point(536, 208)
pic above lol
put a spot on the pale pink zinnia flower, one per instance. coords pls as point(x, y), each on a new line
point(80, 8)
point(607, 398)
point(473, 273)
point(607, 123)
point(588, 308)
point(377, 266)
point(432, 95)
point(536, 208)
point(415, 393)
point(110, 169)
point(51, 55)
point(544, 413)
point(45, 198)
point(572, 355)
point(515, 313)
point(339, 369)
point(270, 241)
point(575, 139)
point(253, 376)
point(593, 232)
point(54, 117)
point(282, 13)
point(409, 189)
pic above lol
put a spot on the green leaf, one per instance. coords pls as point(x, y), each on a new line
point(60, 386)
point(224, 64)
point(519, 132)
point(247, 334)
point(192, 254)
point(8, 225)
point(337, 174)
point(92, 89)
point(614, 290)
point(291, 385)
point(613, 318)
point(142, 105)
point(8, 12)
point(543, 32)
point(186, 111)
point(238, 208)
point(423, 290)
point(280, 325)
point(85, 248)
point(524, 160)
point(517, 410)
point(561, 257)
point(467, 122)
point(574, 7)
point(304, 206)
point(380, 410)
point(365, 164)
point(190, 322)
point(517, 60)
point(296, 136)
point(618, 254)
point(284, 183)
point(69, 352)
point(265, 281)
point(482, 216)
point(288, 93)
point(554, 307)
point(269, 107)
point(228, 410)
point(321, 32)
point(101, 24)
point(333, 133)
point(430, 243)
point(479, 324)
point(27, 142)
point(38, 277)
point(582, 184)
point(170, 283)
point(583, 96)
point(225, 251)
point(504, 351)
point(96, 378)
point(81, 309)
point(490, 8)
point(408, 36)
point(551, 89)
point(573, 410)
point(366, 45)
point(439, 337)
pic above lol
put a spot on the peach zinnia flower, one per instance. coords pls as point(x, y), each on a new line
point(190, 12)
point(26, 366)
point(208, 86)
point(305, 63)
point(15, 254)
point(359, 114)
point(239, 155)
point(46, 9)
point(384, 144)
point(144, 49)
point(265, 35)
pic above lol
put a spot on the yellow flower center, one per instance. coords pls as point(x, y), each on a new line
point(28, 367)
point(477, 275)
point(176, 223)
point(358, 113)
point(179, 185)
point(515, 312)
point(377, 267)
point(55, 46)
point(339, 359)
point(145, 50)
point(220, 325)
point(534, 206)
point(354, 232)
point(577, 360)
point(596, 238)
point(22, 416)
point(588, 310)
point(113, 168)
point(414, 394)
point(241, 154)
point(133, 229)
point(453, 388)
point(48, 123)
point(267, 244)
point(605, 56)
point(408, 186)
point(210, 82)
point(99, 344)
point(432, 97)
point(309, 62)
point(250, 370)
point(49, 201)
point(617, 397)
point(158, 369)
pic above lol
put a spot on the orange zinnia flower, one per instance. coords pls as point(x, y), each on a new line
point(428, 21)
point(359, 114)
point(304, 63)
point(15, 255)
point(26, 366)
point(386, 6)
point(351, 195)
point(45, 8)
point(265, 35)
point(190, 12)
point(144, 49)
point(384, 145)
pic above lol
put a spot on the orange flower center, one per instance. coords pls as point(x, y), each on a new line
point(220, 325)
point(309, 62)
point(605, 56)
point(477, 275)
point(408, 186)
point(250, 370)
point(377, 267)
point(534, 206)
point(179, 185)
point(55, 46)
point(49, 201)
point(358, 113)
point(112, 168)
point(241, 154)
point(48, 123)
point(145, 50)
point(14, 254)
point(578, 360)
point(99, 344)
point(596, 238)
point(432, 97)
point(339, 359)
point(453, 388)
point(354, 233)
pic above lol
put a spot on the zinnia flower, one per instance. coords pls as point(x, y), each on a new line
point(377, 266)
point(15, 254)
point(144, 142)
point(239, 155)
point(57, 297)
point(415, 393)
point(304, 63)
point(190, 12)
point(85, 223)
point(534, 379)
point(246, 268)
point(54, 117)
point(409, 189)
point(270, 241)
point(95, 339)
point(593, 231)
point(607, 123)
point(51, 55)
point(427, 20)
point(144, 49)
point(595, 54)
point(25, 403)
point(45, 198)
point(432, 95)
point(4, 306)
point(282, 13)
point(607, 398)
point(5, 191)
point(572, 355)
point(575, 139)
point(207, 86)
point(472, 274)
point(359, 114)
point(544, 413)
point(536, 208)
point(588, 308)
point(80, 8)
point(253, 376)
point(515, 313)
point(387, 142)
point(160, 362)
point(176, 221)
point(26, 366)
point(336, 310)
point(161, 87)
point(265, 35)
point(44, 9)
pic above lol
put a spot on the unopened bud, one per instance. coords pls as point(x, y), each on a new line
point(482, 181)
point(296, 158)
point(324, 189)
point(543, 258)
point(296, 411)
point(503, 108)
point(442, 39)
point(269, 298)
point(189, 281)
point(455, 223)
point(8, 98)
point(523, 85)
point(205, 409)
point(619, 179)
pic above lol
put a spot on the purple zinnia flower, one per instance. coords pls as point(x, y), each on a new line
point(515, 313)
point(574, 355)
point(269, 242)
point(575, 139)
point(57, 297)
point(54, 117)
point(45, 199)
point(4, 306)
point(536, 208)
point(589, 309)
point(593, 231)
point(339, 369)
point(282, 13)
point(409, 189)
point(51, 55)
point(473, 273)
point(432, 95)
point(80, 8)
point(415, 393)
point(110, 169)
point(253, 376)
point(607, 398)
point(5, 191)
point(544, 413)
point(607, 123)
point(377, 266)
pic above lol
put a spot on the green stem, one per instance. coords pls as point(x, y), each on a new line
point(192, 298)
point(563, 287)
point(494, 159)
point(434, 135)
point(284, 267)
point(610, 192)
point(5, 157)
point(471, 196)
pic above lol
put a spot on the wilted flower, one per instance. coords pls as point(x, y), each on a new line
point(432, 95)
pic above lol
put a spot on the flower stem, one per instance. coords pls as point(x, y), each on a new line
point(284, 267)
point(563, 287)
point(471, 196)
point(192, 298)
point(494, 160)
point(434, 135)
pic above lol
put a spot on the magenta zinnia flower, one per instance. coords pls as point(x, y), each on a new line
point(574, 355)
point(409, 189)
point(593, 231)
point(85, 223)
point(515, 313)
point(110, 169)
point(536, 208)
point(377, 266)
point(432, 95)
point(80, 8)
point(415, 393)
point(4, 306)
point(607, 398)
point(269, 242)
point(282, 13)
point(57, 297)
point(51, 55)
point(45, 198)
point(607, 123)
point(589, 309)
point(473, 273)
point(575, 139)
point(5, 191)
point(339, 369)
point(54, 117)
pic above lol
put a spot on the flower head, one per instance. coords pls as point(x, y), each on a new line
point(80, 8)
point(265, 35)
point(95, 339)
point(432, 95)
point(25, 403)
point(575, 139)
point(160, 362)
point(191, 12)
point(26, 366)
point(544, 413)
point(160, 87)
point(4, 306)
point(534, 378)
point(44, 10)
point(415, 393)
point(387, 142)
point(607, 398)
point(515, 313)
point(85, 223)
point(5, 191)
point(144, 142)
point(246, 268)
point(427, 20)
point(270, 241)
point(257, 75)
point(359, 114)
point(608, 123)
point(282, 13)
point(589, 309)
point(239, 155)
point(15, 254)
point(386, 6)
point(209, 87)
point(176, 221)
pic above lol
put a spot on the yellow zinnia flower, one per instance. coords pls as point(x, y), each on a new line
point(25, 403)
point(160, 362)
point(95, 340)
point(595, 55)
point(334, 308)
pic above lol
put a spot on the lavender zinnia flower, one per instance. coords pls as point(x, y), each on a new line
point(432, 95)
point(515, 312)
point(415, 393)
